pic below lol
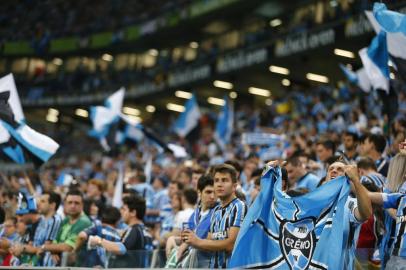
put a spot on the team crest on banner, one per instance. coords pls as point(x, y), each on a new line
point(297, 241)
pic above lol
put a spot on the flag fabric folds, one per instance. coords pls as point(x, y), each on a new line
point(359, 77)
point(282, 232)
point(375, 60)
point(19, 142)
point(224, 126)
point(188, 119)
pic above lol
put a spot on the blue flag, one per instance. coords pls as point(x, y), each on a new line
point(283, 232)
point(224, 126)
point(188, 119)
point(359, 77)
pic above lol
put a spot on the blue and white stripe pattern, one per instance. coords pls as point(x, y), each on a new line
point(188, 119)
point(304, 232)
point(358, 77)
point(375, 60)
point(225, 122)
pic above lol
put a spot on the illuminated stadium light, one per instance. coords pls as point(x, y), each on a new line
point(275, 22)
point(216, 101)
point(57, 61)
point(107, 57)
point(222, 84)
point(150, 108)
point(268, 102)
point(194, 45)
point(183, 94)
point(131, 111)
point(259, 92)
point(233, 95)
point(285, 82)
point(392, 75)
point(279, 70)
point(317, 78)
point(81, 113)
point(53, 112)
point(153, 52)
point(344, 53)
point(134, 119)
point(390, 63)
point(52, 118)
point(175, 107)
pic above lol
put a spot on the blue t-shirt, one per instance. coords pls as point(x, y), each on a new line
point(397, 201)
point(309, 181)
point(200, 222)
point(223, 218)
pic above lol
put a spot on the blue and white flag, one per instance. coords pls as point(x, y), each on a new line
point(394, 24)
point(225, 123)
point(188, 119)
point(18, 141)
point(283, 232)
point(375, 60)
point(359, 77)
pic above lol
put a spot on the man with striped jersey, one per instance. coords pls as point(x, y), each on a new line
point(226, 219)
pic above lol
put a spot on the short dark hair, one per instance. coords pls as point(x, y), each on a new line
point(226, 168)
point(111, 215)
point(141, 177)
point(178, 184)
point(235, 164)
point(378, 141)
point(328, 144)
point(294, 161)
point(74, 192)
point(366, 163)
point(190, 196)
point(354, 136)
point(137, 203)
point(204, 181)
point(53, 197)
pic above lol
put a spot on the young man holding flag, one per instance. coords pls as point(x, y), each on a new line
point(226, 220)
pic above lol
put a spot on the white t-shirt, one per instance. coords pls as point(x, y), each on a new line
point(181, 217)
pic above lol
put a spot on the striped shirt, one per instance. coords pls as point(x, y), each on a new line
point(397, 201)
point(223, 218)
point(47, 231)
point(376, 178)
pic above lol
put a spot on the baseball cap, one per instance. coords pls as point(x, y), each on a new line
point(26, 204)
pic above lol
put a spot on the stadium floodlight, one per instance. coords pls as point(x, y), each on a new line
point(194, 45)
point(52, 111)
point(268, 102)
point(317, 78)
point(131, 111)
point(153, 52)
point(150, 108)
point(107, 57)
point(183, 94)
point(81, 113)
point(285, 82)
point(52, 118)
point(216, 101)
point(57, 61)
point(344, 53)
point(233, 95)
point(134, 119)
point(222, 84)
point(259, 92)
point(275, 22)
point(392, 75)
point(175, 107)
point(279, 70)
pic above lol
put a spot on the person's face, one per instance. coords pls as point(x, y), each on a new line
point(43, 205)
point(195, 179)
point(207, 197)
point(323, 153)
point(362, 172)
point(93, 191)
point(349, 143)
point(20, 227)
point(335, 170)
point(366, 147)
point(175, 202)
point(9, 227)
point(184, 179)
point(223, 185)
point(293, 173)
point(172, 190)
point(94, 210)
point(73, 205)
point(126, 214)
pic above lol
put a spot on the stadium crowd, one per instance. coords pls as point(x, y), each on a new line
point(175, 204)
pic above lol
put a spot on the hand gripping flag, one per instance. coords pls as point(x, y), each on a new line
point(282, 232)
point(359, 78)
point(18, 141)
